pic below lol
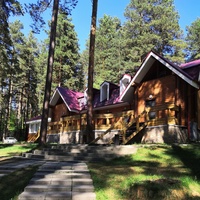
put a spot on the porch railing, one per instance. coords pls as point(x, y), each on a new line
point(120, 121)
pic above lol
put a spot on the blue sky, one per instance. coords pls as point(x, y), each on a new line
point(189, 11)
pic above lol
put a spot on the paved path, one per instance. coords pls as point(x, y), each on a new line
point(54, 180)
point(10, 165)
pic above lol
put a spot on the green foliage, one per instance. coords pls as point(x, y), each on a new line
point(193, 40)
point(150, 25)
point(109, 58)
point(67, 71)
point(153, 25)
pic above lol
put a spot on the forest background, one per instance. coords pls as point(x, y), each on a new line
point(147, 25)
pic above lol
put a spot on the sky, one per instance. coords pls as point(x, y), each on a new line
point(189, 11)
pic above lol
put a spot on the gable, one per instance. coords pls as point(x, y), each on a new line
point(156, 71)
point(147, 66)
point(69, 97)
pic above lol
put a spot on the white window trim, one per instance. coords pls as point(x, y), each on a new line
point(104, 91)
point(124, 83)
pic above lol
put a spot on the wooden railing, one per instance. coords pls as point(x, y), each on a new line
point(78, 122)
point(120, 121)
point(33, 137)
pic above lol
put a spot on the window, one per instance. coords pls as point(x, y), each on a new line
point(104, 93)
point(33, 128)
point(151, 103)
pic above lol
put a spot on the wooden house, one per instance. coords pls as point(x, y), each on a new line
point(161, 103)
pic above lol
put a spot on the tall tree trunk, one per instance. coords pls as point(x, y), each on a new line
point(8, 108)
point(90, 126)
point(45, 111)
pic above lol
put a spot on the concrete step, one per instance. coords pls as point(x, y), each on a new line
point(47, 188)
point(45, 196)
point(85, 153)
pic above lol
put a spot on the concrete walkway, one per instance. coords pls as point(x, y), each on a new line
point(54, 180)
point(60, 181)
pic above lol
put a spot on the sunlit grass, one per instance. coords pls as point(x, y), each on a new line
point(8, 150)
point(154, 172)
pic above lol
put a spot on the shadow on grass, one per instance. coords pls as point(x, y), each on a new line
point(190, 156)
point(148, 174)
point(13, 184)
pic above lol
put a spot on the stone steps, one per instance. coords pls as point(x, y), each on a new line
point(85, 153)
point(60, 181)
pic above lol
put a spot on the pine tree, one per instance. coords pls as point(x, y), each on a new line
point(7, 7)
point(109, 47)
point(24, 75)
point(153, 25)
point(66, 66)
point(35, 11)
point(193, 40)
point(108, 52)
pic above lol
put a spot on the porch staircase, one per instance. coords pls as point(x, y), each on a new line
point(129, 131)
point(81, 152)
point(34, 137)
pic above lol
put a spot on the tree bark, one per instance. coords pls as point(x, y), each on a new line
point(45, 111)
point(90, 124)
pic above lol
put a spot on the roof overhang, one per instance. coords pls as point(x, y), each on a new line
point(106, 107)
point(36, 121)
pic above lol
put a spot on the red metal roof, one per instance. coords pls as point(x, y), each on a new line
point(192, 68)
point(71, 98)
point(34, 118)
point(190, 64)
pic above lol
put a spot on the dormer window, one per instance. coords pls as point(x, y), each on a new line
point(104, 92)
point(124, 82)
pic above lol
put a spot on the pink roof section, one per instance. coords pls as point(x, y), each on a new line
point(190, 64)
point(71, 98)
point(113, 99)
point(35, 118)
point(192, 68)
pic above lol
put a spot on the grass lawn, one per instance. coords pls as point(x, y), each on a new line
point(159, 172)
point(9, 150)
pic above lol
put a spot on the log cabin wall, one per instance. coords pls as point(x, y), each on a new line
point(181, 100)
point(162, 90)
point(59, 111)
point(187, 102)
